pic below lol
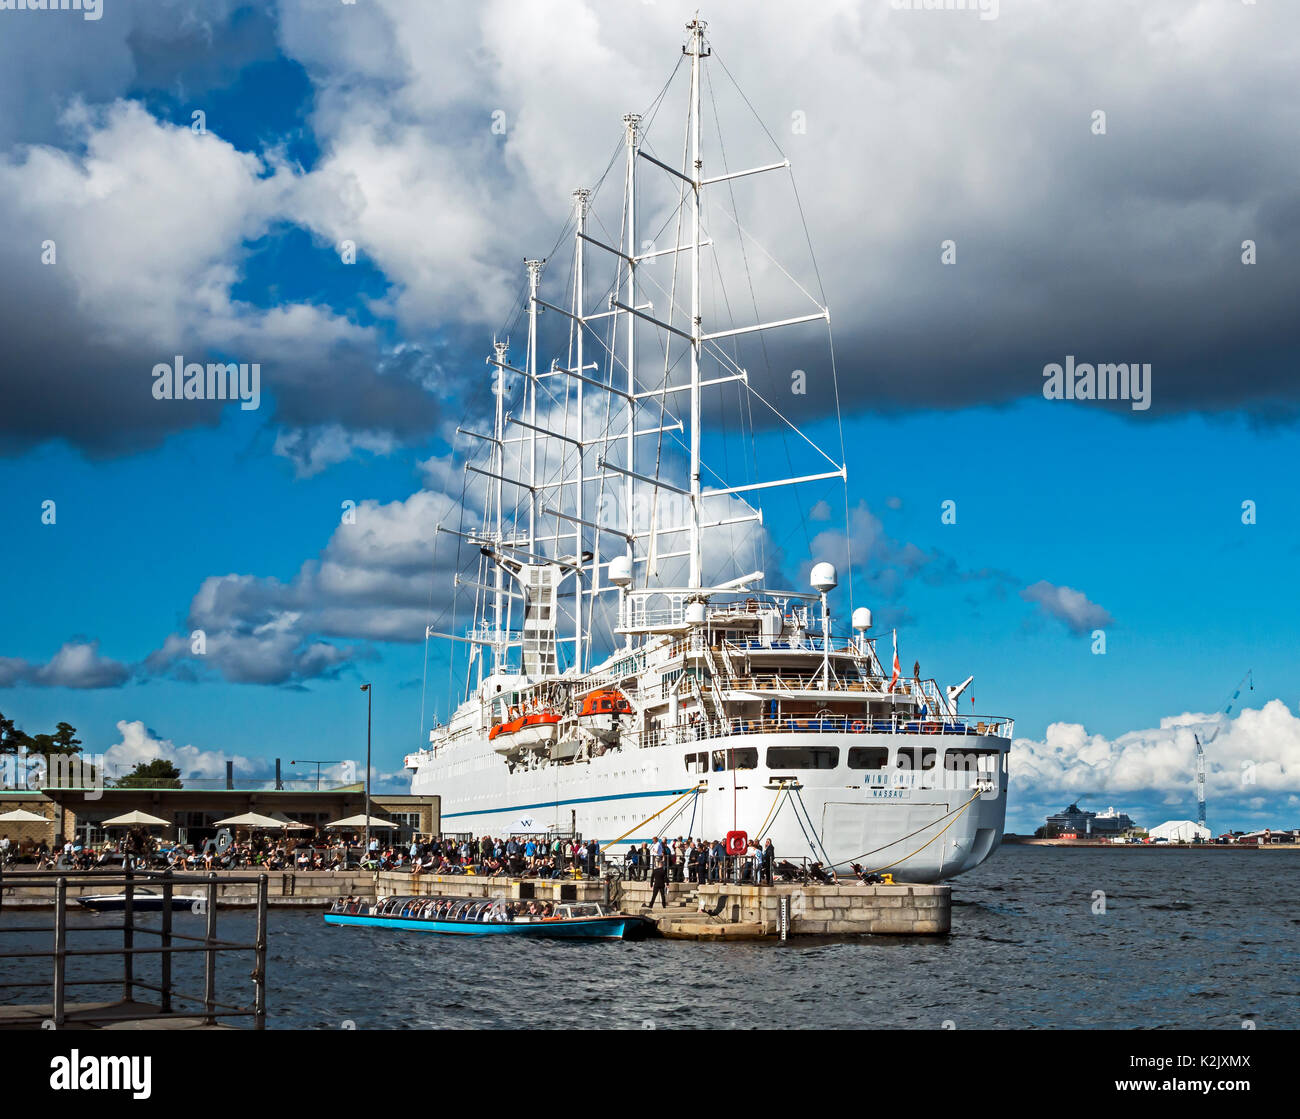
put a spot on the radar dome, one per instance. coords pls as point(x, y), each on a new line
point(823, 577)
point(620, 571)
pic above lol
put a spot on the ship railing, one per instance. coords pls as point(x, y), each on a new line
point(909, 724)
point(807, 643)
point(812, 681)
point(735, 870)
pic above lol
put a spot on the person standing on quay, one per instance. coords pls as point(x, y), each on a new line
point(659, 880)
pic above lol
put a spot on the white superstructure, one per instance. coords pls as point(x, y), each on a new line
point(629, 672)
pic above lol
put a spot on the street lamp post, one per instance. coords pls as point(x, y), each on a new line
point(369, 701)
point(317, 762)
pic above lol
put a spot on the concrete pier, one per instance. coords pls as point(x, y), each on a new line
point(723, 911)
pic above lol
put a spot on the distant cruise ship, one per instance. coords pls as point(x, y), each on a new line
point(626, 676)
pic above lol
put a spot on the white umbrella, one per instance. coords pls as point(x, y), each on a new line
point(249, 820)
point(134, 820)
point(288, 824)
point(22, 816)
point(359, 821)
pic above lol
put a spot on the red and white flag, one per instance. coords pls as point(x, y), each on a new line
point(897, 670)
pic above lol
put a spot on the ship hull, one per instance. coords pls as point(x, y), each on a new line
point(921, 825)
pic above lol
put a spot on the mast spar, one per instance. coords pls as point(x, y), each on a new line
point(697, 51)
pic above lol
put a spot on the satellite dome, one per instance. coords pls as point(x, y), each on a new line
point(620, 571)
point(823, 577)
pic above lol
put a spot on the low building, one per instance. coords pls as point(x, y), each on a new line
point(1180, 831)
point(1268, 835)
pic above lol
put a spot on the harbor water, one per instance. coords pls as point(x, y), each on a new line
point(1043, 938)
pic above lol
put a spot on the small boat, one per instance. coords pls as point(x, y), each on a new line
point(141, 901)
point(539, 730)
point(535, 730)
point(489, 917)
point(600, 713)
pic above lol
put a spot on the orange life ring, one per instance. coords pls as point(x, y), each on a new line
point(929, 728)
point(858, 728)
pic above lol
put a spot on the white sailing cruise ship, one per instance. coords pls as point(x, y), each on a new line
point(629, 671)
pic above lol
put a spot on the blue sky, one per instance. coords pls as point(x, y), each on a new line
point(227, 246)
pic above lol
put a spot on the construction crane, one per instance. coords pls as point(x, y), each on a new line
point(1200, 747)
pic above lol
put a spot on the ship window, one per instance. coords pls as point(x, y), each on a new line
point(697, 763)
point(868, 757)
point(745, 757)
point(910, 756)
point(803, 757)
point(971, 761)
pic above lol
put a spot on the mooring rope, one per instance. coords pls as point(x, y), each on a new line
point(954, 814)
point(661, 811)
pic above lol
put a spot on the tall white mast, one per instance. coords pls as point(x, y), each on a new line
point(696, 51)
point(499, 453)
point(534, 279)
point(583, 200)
point(631, 122)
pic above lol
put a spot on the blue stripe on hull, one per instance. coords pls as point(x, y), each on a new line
point(600, 928)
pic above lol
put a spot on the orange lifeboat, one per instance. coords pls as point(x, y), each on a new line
point(605, 701)
point(538, 729)
point(511, 726)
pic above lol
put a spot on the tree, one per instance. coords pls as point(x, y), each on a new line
point(159, 773)
point(12, 740)
point(62, 742)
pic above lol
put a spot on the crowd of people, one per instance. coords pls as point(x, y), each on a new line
point(518, 856)
point(701, 861)
point(661, 860)
point(148, 852)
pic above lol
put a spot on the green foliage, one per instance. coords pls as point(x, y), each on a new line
point(159, 773)
point(13, 740)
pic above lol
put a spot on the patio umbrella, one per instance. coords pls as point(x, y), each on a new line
point(359, 821)
point(135, 820)
point(249, 820)
point(288, 824)
point(22, 816)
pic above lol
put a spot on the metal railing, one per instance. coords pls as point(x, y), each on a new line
point(731, 870)
point(166, 948)
point(682, 733)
